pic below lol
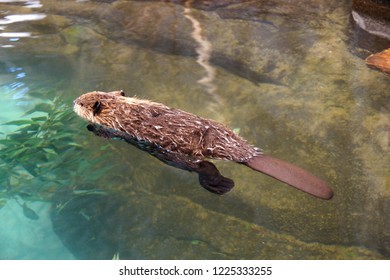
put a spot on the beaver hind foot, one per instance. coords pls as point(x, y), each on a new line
point(212, 180)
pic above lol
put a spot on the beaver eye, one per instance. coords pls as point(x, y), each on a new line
point(96, 108)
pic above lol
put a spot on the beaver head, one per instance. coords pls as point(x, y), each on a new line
point(97, 106)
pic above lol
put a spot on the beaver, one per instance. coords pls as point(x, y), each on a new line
point(184, 140)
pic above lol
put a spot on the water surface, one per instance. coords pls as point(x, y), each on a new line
point(290, 78)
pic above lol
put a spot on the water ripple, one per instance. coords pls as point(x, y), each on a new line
point(21, 18)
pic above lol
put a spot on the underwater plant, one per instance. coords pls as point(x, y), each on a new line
point(43, 153)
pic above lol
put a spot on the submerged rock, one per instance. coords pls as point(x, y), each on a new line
point(147, 226)
point(371, 25)
point(269, 30)
point(372, 16)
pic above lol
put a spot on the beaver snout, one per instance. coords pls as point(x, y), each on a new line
point(76, 102)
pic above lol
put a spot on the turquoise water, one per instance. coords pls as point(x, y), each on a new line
point(290, 79)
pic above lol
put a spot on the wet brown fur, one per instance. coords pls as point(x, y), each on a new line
point(172, 129)
point(185, 140)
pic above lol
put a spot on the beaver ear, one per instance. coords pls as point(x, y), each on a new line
point(117, 93)
point(96, 108)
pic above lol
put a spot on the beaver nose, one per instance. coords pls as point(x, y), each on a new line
point(76, 102)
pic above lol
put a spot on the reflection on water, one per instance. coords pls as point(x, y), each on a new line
point(21, 18)
point(15, 18)
point(204, 52)
point(284, 75)
point(13, 92)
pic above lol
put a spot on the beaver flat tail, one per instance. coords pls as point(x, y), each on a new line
point(290, 174)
